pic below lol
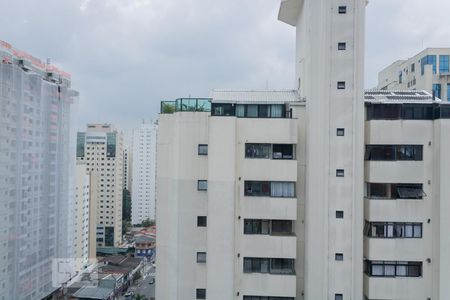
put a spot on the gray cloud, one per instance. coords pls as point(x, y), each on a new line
point(125, 56)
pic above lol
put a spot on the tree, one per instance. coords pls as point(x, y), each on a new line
point(148, 223)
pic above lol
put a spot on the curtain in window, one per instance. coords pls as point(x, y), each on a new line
point(240, 110)
point(389, 270)
point(377, 270)
point(282, 189)
point(417, 230)
point(265, 227)
point(401, 269)
point(408, 230)
point(276, 111)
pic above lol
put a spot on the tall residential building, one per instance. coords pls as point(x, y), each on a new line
point(127, 167)
point(429, 70)
point(35, 117)
point(143, 173)
point(81, 215)
point(330, 75)
point(101, 148)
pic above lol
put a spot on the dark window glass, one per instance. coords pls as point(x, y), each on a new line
point(339, 256)
point(409, 152)
point(394, 191)
point(81, 139)
point(257, 150)
point(339, 173)
point(264, 111)
point(222, 109)
point(383, 111)
point(338, 297)
point(257, 188)
point(201, 257)
point(109, 236)
point(202, 185)
point(393, 268)
point(342, 46)
point(341, 85)
point(201, 294)
point(201, 221)
point(202, 149)
point(281, 227)
point(342, 9)
point(283, 151)
point(417, 112)
point(394, 152)
point(339, 214)
point(444, 63)
point(269, 265)
point(111, 144)
point(340, 132)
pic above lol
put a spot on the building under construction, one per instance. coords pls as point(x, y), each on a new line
point(35, 117)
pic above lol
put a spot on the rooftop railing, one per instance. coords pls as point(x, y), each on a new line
point(186, 104)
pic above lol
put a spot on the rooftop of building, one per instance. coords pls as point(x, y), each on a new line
point(254, 96)
point(93, 292)
point(121, 261)
point(394, 96)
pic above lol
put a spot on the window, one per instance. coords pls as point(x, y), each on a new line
point(437, 90)
point(202, 185)
point(448, 91)
point(394, 191)
point(393, 268)
point(339, 173)
point(273, 227)
point(393, 230)
point(394, 152)
point(201, 221)
point(283, 151)
point(339, 256)
point(269, 265)
point(428, 60)
point(257, 150)
point(400, 77)
point(338, 297)
point(200, 294)
point(202, 149)
point(341, 85)
point(340, 132)
point(282, 189)
point(266, 298)
point(342, 9)
point(222, 109)
point(201, 257)
point(413, 68)
point(272, 189)
point(339, 214)
point(444, 63)
point(342, 46)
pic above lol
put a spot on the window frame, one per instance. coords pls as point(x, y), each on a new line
point(202, 146)
point(202, 189)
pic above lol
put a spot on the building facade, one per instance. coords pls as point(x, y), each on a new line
point(127, 167)
point(428, 70)
point(101, 148)
point(81, 218)
point(35, 180)
point(143, 173)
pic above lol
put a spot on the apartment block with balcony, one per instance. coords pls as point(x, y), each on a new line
point(100, 147)
point(428, 70)
point(232, 183)
point(405, 203)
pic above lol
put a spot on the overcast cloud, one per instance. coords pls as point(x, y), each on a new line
point(125, 56)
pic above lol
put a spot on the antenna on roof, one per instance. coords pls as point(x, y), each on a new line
point(267, 84)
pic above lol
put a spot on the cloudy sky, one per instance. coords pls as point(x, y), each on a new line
point(125, 56)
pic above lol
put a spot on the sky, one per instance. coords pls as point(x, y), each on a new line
point(125, 56)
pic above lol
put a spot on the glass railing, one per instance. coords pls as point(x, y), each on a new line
point(186, 104)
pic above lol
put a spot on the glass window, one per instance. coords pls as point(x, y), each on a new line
point(401, 269)
point(380, 152)
point(201, 294)
point(339, 214)
point(202, 149)
point(342, 9)
point(222, 109)
point(264, 111)
point(448, 91)
point(283, 151)
point(417, 230)
point(281, 227)
point(444, 63)
point(282, 189)
point(202, 185)
point(201, 221)
point(383, 111)
point(240, 110)
point(257, 188)
point(252, 111)
point(342, 46)
point(257, 150)
point(282, 266)
point(437, 90)
point(201, 257)
point(339, 256)
point(276, 110)
point(340, 173)
point(341, 85)
point(428, 60)
point(340, 132)
point(338, 297)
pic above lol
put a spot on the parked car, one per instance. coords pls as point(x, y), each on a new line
point(129, 295)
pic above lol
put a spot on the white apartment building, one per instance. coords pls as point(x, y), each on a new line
point(101, 148)
point(428, 70)
point(143, 173)
point(127, 167)
point(81, 218)
point(406, 207)
point(35, 179)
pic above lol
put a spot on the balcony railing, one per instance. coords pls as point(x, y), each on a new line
point(186, 104)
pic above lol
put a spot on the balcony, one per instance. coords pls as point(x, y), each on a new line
point(186, 104)
point(258, 245)
point(268, 284)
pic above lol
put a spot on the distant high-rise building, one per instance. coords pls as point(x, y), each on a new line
point(101, 148)
point(35, 117)
point(143, 173)
point(127, 151)
point(81, 216)
point(428, 70)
